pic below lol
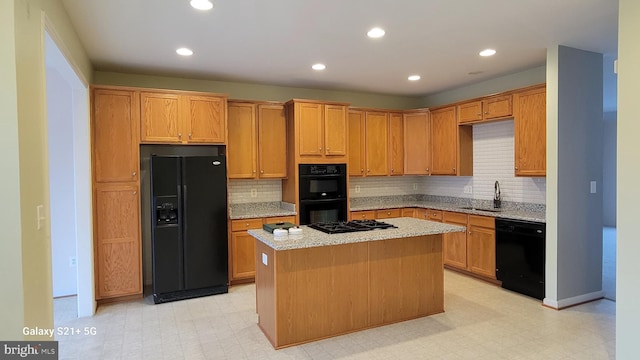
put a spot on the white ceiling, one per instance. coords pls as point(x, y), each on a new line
point(277, 41)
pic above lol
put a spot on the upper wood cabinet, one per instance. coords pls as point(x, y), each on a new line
point(376, 143)
point(257, 146)
point(320, 130)
point(417, 146)
point(396, 144)
point(115, 120)
point(451, 145)
point(490, 108)
point(182, 117)
point(356, 143)
point(530, 129)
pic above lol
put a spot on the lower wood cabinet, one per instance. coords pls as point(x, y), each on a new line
point(475, 250)
point(388, 213)
point(363, 215)
point(118, 262)
point(242, 266)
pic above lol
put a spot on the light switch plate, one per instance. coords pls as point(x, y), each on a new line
point(593, 187)
point(265, 259)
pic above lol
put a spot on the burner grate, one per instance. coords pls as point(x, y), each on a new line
point(351, 226)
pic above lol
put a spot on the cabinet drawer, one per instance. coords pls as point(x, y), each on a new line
point(454, 217)
point(273, 220)
point(246, 224)
point(435, 215)
point(388, 213)
point(363, 215)
point(482, 221)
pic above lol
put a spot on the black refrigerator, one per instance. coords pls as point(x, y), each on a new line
point(188, 226)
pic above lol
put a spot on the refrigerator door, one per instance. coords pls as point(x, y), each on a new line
point(204, 189)
point(166, 225)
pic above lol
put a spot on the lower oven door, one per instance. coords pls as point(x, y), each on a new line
point(323, 211)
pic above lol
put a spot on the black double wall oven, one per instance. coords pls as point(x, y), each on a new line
point(323, 193)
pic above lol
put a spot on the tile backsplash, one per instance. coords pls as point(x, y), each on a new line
point(240, 191)
point(493, 159)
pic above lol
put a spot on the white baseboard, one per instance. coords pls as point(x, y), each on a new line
point(564, 303)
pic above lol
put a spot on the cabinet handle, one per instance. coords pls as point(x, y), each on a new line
point(134, 192)
point(391, 170)
point(361, 170)
point(179, 135)
point(516, 168)
point(189, 135)
point(319, 149)
point(454, 169)
point(254, 171)
point(261, 171)
point(133, 173)
point(246, 225)
point(486, 113)
point(427, 169)
point(368, 170)
point(469, 232)
point(327, 149)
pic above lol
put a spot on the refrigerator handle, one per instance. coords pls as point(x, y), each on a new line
point(184, 208)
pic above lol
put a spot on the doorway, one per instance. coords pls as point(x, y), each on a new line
point(69, 163)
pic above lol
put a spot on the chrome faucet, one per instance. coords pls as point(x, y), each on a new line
point(497, 201)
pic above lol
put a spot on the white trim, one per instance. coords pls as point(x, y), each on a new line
point(48, 27)
point(564, 303)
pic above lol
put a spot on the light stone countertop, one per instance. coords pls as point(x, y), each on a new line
point(407, 227)
point(261, 210)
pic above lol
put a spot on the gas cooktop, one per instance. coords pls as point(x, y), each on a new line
point(350, 226)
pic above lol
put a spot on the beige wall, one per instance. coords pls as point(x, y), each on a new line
point(628, 267)
point(246, 91)
point(11, 296)
point(28, 17)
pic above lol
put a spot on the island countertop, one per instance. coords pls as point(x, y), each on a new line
point(406, 227)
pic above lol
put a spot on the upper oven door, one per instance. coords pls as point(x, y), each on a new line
point(319, 182)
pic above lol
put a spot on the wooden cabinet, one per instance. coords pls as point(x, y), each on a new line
point(455, 244)
point(356, 143)
point(490, 108)
point(396, 144)
point(321, 129)
point(115, 122)
point(417, 146)
point(388, 213)
point(481, 246)
point(257, 148)
point(409, 212)
point(530, 125)
point(363, 215)
point(115, 135)
point(118, 262)
point(242, 255)
point(435, 215)
point(451, 145)
point(182, 117)
point(376, 143)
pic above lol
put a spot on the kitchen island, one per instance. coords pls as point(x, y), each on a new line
point(321, 285)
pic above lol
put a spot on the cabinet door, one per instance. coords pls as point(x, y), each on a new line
point(497, 107)
point(335, 130)
point(243, 249)
point(241, 150)
point(482, 251)
point(310, 130)
point(469, 112)
point(376, 137)
point(117, 241)
point(455, 244)
point(159, 119)
point(388, 213)
point(530, 129)
point(444, 138)
point(417, 157)
point(272, 142)
point(396, 144)
point(205, 119)
point(356, 143)
point(115, 119)
point(409, 212)
point(363, 215)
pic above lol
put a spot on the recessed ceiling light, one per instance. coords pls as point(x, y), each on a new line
point(487, 52)
point(184, 52)
point(375, 33)
point(414, 78)
point(318, 67)
point(201, 4)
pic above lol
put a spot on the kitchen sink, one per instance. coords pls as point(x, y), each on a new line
point(481, 209)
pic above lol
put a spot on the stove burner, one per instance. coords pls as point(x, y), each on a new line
point(350, 226)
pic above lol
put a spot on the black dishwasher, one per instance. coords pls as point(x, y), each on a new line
point(520, 256)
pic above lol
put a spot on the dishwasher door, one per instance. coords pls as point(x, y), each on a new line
point(520, 256)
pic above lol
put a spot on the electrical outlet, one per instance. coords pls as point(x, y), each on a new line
point(468, 189)
point(357, 189)
point(254, 193)
point(73, 262)
point(415, 186)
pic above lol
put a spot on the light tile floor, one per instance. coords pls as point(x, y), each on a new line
point(480, 321)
